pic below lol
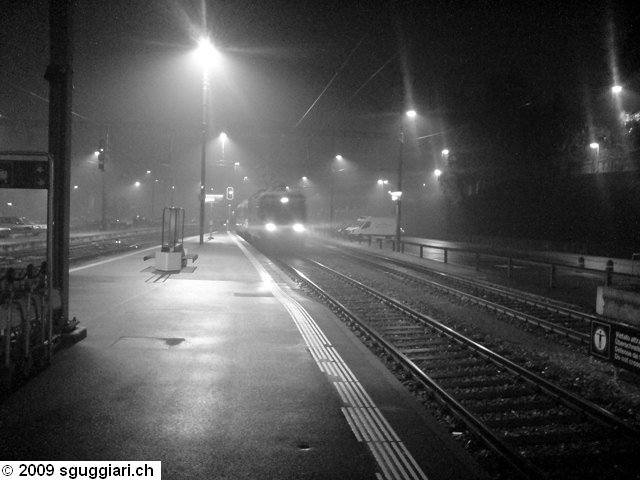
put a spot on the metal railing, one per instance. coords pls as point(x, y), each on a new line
point(511, 259)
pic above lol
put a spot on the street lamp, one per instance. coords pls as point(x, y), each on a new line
point(207, 55)
point(596, 147)
point(443, 163)
point(333, 175)
point(398, 193)
point(223, 140)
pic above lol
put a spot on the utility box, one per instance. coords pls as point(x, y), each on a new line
point(169, 261)
point(172, 256)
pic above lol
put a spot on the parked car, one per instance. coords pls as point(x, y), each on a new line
point(20, 226)
point(372, 227)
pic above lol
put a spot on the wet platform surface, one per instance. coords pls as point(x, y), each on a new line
point(224, 370)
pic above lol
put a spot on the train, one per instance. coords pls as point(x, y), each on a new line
point(274, 217)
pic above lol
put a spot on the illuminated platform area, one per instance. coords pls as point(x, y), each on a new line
point(224, 369)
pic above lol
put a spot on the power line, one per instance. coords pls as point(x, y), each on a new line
point(331, 81)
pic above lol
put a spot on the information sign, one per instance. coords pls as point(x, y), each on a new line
point(24, 172)
point(619, 344)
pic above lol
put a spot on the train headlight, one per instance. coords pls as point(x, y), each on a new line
point(298, 227)
point(271, 227)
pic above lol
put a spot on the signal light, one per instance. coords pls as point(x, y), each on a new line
point(229, 193)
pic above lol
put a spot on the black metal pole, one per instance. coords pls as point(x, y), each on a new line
point(59, 74)
point(203, 164)
point(333, 179)
point(153, 199)
point(104, 184)
point(399, 200)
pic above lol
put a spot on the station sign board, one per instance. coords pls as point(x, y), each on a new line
point(617, 343)
point(28, 171)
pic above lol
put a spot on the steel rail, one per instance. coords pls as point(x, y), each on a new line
point(567, 332)
point(480, 429)
point(476, 426)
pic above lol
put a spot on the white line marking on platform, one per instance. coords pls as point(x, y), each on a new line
point(365, 419)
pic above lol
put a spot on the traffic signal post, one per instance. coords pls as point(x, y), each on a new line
point(102, 160)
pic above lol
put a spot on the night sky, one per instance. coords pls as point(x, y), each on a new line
point(293, 71)
point(293, 49)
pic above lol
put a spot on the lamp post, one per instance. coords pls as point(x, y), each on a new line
point(445, 156)
point(333, 175)
point(596, 147)
point(207, 54)
point(223, 141)
point(410, 114)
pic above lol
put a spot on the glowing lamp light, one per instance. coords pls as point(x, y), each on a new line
point(594, 145)
point(298, 227)
point(395, 196)
point(284, 200)
point(616, 89)
point(270, 227)
point(411, 113)
point(207, 54)
point(437, 172)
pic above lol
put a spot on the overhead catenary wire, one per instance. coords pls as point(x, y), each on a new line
point(330, 81)
point(39, 97)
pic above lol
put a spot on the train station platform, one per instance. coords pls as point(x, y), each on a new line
point(225, 370)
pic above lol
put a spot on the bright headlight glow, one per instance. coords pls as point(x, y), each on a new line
point(298, 227)
point(270, 227)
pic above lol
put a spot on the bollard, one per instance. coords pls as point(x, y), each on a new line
point(510, 268)
point(581, 262)
point(552, 277)
point(477, 262)
point(609, 270)
point(446, 260)
point(421, 251)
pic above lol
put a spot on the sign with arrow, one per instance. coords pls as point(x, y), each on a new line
point(24, 172)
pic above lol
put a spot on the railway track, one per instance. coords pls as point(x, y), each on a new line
point(566, 321)
point(538, 429)
point(82, 251)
